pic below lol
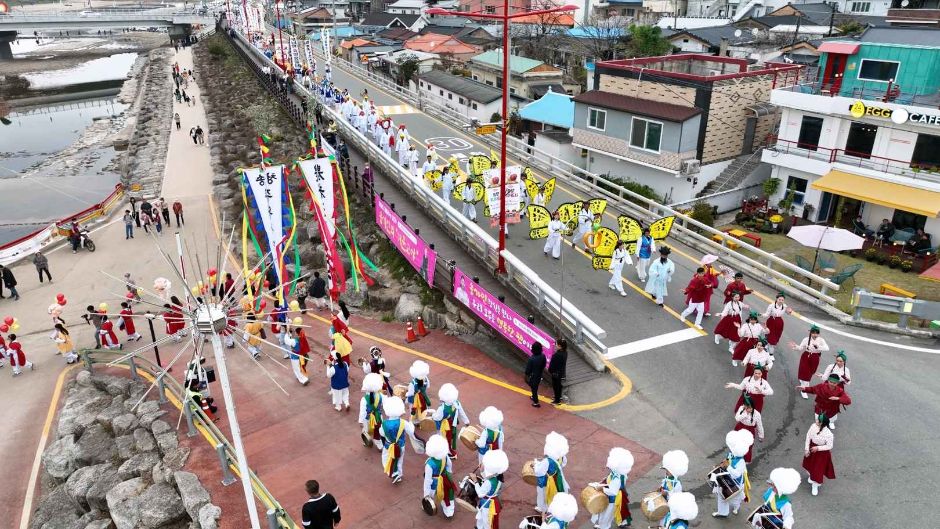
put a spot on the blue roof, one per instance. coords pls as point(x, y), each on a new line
point(341, 32)
point(552, 109)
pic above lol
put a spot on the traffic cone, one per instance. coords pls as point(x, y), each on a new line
point(422, 331)
point(410, 333)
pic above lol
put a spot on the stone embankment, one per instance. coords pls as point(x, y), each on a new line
point(117, 465)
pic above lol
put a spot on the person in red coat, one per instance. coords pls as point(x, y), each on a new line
point(697, 293)
point(109, 338)
point(174, 322)
point(127, 322)
point(17, 356)
point(737, 286)
point(830, 397)
point(711, 277)
point(817, 453)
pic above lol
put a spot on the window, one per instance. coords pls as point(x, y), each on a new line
point(645, 134)
point(475, 78)
point(421, 84)
point(597, 119)
point(499, 82)
point(442, 93)
point(860, 7)
point(882, 71)
point(450, 96)
point(460, 100)
point(861, 140)
point(489, 82)
point(491, 10)
point(474, 106)
point(798, 185)
point(905, 219)
point(512, 90)
point(926, 151)
point(810, 131)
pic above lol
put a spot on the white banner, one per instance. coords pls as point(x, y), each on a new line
point(513, 189)
point(308, 55)
point(318, 172)
point(267, 187)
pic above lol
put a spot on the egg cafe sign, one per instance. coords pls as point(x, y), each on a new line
point(899, 116)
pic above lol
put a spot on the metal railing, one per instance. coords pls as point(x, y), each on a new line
point(909, 94)
point(621, 200)
point(478, 243)
point(723, 201)
point(171, 390)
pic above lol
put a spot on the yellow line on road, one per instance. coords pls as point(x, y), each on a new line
point(41, 447)
point(626, 385)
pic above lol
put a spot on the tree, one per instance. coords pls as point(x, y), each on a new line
point(647, 41)
point(408, 65)
point(850, 27)
point(602, 39)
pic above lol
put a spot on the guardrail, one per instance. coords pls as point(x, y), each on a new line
point(170, 389)
point(724, 201)
point(585, 333)
point(686, 229)
point(904, 307)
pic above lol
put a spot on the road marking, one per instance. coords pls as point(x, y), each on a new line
point(392, 110)
point(626, 385)
point(445, 143)
point(41, 447)
point(651, 343)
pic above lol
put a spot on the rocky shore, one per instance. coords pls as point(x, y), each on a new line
point(114, 465)
point(149, 127)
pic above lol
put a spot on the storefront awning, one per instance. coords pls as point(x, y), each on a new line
point(889, 194)
point(845, 48)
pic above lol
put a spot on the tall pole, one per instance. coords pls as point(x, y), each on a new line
point(247, 23)
point(280, 35)
point(501, 263)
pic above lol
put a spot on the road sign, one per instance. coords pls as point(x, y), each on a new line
point(486, 129)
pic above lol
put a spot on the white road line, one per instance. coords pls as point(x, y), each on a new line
point(651, 343)
point(869, 340)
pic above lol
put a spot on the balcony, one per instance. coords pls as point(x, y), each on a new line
point(906, 17)
point(880, 92)
point(849, 159)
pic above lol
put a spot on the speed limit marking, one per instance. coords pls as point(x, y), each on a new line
point(449, 144)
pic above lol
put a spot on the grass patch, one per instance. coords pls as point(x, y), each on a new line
point(388, 317)
point(870, 277)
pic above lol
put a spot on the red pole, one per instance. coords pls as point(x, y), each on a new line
point(280, 36)
point(501, 264)
point(247, 25)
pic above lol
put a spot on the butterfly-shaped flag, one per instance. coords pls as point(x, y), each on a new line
point(631, 230)
point(605, 239)
point(533, 188)
point(433, 178)
point(478, 191)
point(480, 163)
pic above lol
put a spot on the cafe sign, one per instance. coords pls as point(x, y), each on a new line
point(899, 116)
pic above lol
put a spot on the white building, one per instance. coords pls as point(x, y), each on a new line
point(865, 139)
point(470, 98)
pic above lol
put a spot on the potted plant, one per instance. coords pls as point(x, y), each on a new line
point(771, 185)
point(775, 220)
point(881, 258)
point(907, 265)
point(871, 254)
point(894, 261)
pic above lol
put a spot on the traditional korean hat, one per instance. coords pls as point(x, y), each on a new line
point(494, 463)
point(491, 418)
point(676, 462)
point(372, 382)
point(665, 251)
point(841, 354)
point(620, 460)
point(682, 506)
point(564, 507)
point(448, 393)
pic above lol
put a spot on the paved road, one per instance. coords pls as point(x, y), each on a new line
point(678, 401)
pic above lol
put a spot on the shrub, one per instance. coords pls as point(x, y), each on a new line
point(217, 50)
point(871, 253)
point(704, 213)
point(636, 187)
point(907, 265)
point(894, 261)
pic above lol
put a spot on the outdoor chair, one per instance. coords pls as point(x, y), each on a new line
point(827, 261)
point(845, 274)
point(902, 235)
point(804, 263)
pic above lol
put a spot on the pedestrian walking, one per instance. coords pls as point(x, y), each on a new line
point(338, 373)
point(64, 344)
point(534, 367)
point(660, 274)
point(146, 219)
point(321, 511)
point(302, 294)
point(192, 134)
point(93, 317)
point(127, 322)
point(644, 251)
point(8, 280)
point(128, 225)
point(42, 265)
point(157, 221)
point(109, 338)
point(318, 291)
point(176, 118)
point(178, 212)
point(164, 210)
point(134, 211)
point(200, 135)
point(557, 367)
point(696, 293)
point(17, 356)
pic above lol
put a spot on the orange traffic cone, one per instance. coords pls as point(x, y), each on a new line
point(410, 333)
point(422, 331)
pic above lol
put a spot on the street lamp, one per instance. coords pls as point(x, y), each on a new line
point(280, 36)
point(505, 17)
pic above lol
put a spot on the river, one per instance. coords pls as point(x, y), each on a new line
point(44, 176)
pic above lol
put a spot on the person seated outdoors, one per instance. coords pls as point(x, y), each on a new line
point(885, 230)
point(859, 227)
point(920, 242)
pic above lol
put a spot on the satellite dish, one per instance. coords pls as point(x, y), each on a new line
point(737, 33)
point(905, 3)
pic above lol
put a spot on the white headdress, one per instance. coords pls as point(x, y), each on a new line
point(556, 446)
point(738, 442)
point(620, 460)
point(436, 447)
point(491, 418)
point(676, 462)
point(564, 507)
point(419, 369)
point(372, 382)
point(448, 393)
point(393, 407)
point(786, 480)
point(495, 462)
point(682, 506)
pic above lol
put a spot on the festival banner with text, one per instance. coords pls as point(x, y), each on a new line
point(499, 316)
point(416, 251)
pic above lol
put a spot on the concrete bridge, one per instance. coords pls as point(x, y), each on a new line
point(178, 22)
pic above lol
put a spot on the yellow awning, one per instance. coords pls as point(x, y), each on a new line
point(897, 196)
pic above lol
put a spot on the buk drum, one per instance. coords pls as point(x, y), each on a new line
point(426, 423)
point(528, 473)
point(765, 518)
point(654, 505)
point(469, 436)
point(428, 505)
point(594, 500)
point(531, 522)
point(467, 497)
point(726, 485)
point(400, 391)
point(366, 439)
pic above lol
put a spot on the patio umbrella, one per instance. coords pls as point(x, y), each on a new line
point(825, 238)
point(708, 259)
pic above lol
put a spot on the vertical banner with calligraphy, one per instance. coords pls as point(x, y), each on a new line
point(318, 173)
point(265, 189)
point(413, 248)
point(499, 316)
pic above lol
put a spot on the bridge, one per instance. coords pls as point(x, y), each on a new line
point(176, 20)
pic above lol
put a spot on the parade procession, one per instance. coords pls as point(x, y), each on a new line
point(384, 310)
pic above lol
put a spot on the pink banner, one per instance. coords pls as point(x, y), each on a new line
point(499, 316)
point(413, 248)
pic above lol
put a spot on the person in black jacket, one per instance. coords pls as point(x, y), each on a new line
point(533, 372)
point(8, 280)
point(321, 510)
point(556, 368)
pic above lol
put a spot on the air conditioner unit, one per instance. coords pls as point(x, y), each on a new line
point(691, 166)
point(715, 72)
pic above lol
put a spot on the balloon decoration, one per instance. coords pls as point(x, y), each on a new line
point(10, 324)
point(161, 286)
point(102, 307)
point(294, 305)
point(298, 321)
point(9, 320)
point(4, 327)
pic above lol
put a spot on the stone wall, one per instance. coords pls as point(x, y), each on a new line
point(116, 465)
point(146, 153)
